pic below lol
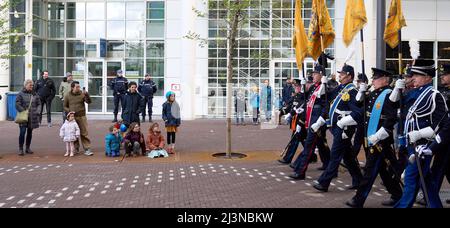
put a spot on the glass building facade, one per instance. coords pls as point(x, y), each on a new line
point(94, 39)
point(264, 45)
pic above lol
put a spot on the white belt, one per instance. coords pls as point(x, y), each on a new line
point(343, 113)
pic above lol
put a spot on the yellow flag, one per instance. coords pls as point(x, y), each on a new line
point(355, 19)
point(320, 25)
point(394, 24)
point(299, 41)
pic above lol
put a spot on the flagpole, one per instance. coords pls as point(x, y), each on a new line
point(324, 58)
point(363, 71)
point(304, 86)
point(400, 59)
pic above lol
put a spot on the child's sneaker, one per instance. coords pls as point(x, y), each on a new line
point(71, 154)
point(66, 154)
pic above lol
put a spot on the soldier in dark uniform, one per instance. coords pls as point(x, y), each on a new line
point(119, 86)
point(344, 115)
point(423, 120)
point(147, 88)
point(315, 124)
point(296, 118)
point(358, 140)
point(381, 116)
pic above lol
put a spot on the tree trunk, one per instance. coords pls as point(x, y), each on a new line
point(231, 48)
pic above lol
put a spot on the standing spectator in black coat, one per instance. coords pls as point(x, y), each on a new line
point(288, 90)
point(119, 87)
point(45, 88)
point(147, 89)
point(133, 104)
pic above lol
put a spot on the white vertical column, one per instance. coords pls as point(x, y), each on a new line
point(4, 75)
point(188, 61)
point(29, 39)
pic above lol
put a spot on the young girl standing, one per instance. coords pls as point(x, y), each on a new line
point(172, 120)
point(70, 132)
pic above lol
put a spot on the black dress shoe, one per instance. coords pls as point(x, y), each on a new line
point(28, 151)
point(292, 166)
point(352, 203)
point(313, 159)
point(389, 202)
point(320, 188)
point(297, 176)
point(282, 161)
point(354, 187)
point(448, 201)
point(321, 168)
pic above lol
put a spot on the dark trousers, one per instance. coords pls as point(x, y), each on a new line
point(171, 138)
point(313, 140)
point(341, 149)
point(291, 149)
point(48, 106)
point(384, 163)
point(435, 179)
point(118, 98)
point(358, 140)
point(149, 102)
point(29, 132)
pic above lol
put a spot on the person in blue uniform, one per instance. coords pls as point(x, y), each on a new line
point(381, 117)
point(358, 140)
point(296, 119)
point(119, 86)
point(147, 88)
point(344, 115)
point(423, 120)
point(440, 147)
point(315, 124)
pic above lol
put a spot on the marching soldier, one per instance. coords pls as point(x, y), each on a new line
point(423, 120)
point(381, 116)
point(296, 118)
point(358, 140)
point(315, 123)
point(344, 115)
point(440, 147)
point(119, 86)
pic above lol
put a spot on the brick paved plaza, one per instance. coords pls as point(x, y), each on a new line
point(191, 178)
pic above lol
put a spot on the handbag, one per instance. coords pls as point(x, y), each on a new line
point(22, 117)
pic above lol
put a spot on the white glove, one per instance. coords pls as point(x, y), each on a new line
point(319, 123)
point(381, 134)
point(321, 90)
point(302, 81)
point(324, 80)
point(426, 133)
point(288, 117)
point(362, 87)
point(298, 129)
point(346, 121)
point(423, 150)
point(395, 95)
point(299, 110)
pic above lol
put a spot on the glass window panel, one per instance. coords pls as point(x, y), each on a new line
point(76, 67)
point(38, 67)
point(95, 29)
point(115, 49)
point(17, 24)
point(135, 49)
point(56, 29)
point(17, 73)
point(56, 11)
point(75, 29)
point(444, 50)
point(95, 11)
point(96, 105)
point(91, 50)
point(155, 28)
point(155, 14)
point(135, 29)
point(38, 46)
point(76, 10)
point(115, 10)
point(55, 67)
point(159, 85)
point(155, 67)
point(75, 49)
point(155, 49)
point(55, 48)
point(155, 5)
point(134, 68)
point(116, 29)
point(38, 26)
point(135, 11)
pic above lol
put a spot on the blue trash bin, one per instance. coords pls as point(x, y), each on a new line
point(11, 103)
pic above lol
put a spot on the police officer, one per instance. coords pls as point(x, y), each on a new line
point(381, 117)
point(46, 89)
point(344, 115)
point(315, 123)
point(423, 120)
point(147, 88)
point(296, 118)
point(119, 86)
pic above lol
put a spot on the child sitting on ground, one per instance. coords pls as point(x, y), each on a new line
point(134, 140)
point(70, 132)
point(112, 142)
point(155, 142)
